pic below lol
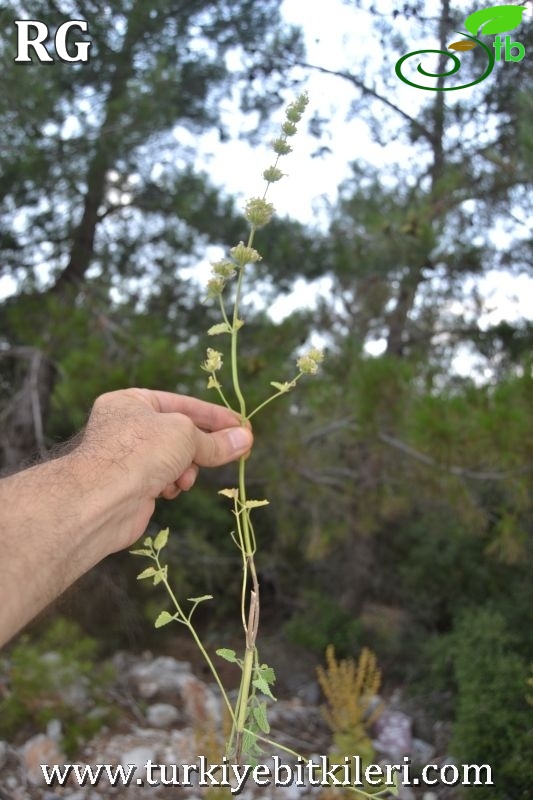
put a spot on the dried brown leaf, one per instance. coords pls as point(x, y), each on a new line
point(464, 44)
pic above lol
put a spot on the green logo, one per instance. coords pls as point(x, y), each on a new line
point(488, 22)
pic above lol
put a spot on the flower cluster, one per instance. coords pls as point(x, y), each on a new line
point(308, 363)
point(258, 212)
point(213, 361)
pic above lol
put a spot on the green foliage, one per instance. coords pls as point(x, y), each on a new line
point(493, 722)
point(321, 622)
point(57, 676)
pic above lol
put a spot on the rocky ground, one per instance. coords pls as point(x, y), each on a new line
point(171, 717)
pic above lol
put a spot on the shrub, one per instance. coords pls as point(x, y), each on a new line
point(56, 676)
point(494, 724)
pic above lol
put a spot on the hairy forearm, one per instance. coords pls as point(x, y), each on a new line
point(57, 520)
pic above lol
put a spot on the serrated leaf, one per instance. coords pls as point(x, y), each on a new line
point(255, 503)
point(268, 674)
point(464, 44)
point(201, 598)
point(233, 493)
point(141, 552)
point(262, 686)
point(498, 19)
point(161, 539)
point(249, 744)
point(220, 327)
point(260, 716)
point(227, 654)
point(149, 572)
point(163, 619)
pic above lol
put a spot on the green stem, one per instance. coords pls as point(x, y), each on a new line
point(273, 397)
point(218, 387)
point(244, 690)
point(291, 752)
point(198, 641)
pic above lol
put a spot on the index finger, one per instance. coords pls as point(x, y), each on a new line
point(205, 415)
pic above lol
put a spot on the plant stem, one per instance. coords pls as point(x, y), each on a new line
point(196, 638)
point(273, 396)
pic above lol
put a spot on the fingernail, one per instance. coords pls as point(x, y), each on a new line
point(240, 439)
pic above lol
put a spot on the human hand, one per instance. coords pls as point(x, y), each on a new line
point(158, 440)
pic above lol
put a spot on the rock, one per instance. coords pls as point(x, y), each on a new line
point(3, 754)
point(406, 793)
point(53, 730)
point(138, 756)
point(161, 715)
point(393, 734)
point(159, 676)
point(422, 752)
point(39, 750)
point(309, 693)
point(442, 733)
point(201, 703)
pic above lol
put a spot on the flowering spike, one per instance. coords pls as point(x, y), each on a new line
point(258, 212)
point(213, 361)
point(245, 255)
point(289, 128)
point(272, 174)
point(281, 147)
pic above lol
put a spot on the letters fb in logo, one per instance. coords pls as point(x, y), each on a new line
point(491, 21)
point(34, 34)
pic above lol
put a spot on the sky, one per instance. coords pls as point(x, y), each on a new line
point(336, 35)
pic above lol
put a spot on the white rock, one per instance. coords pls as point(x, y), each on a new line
point(53, 730)
point(406, 793)
point(39, 750)
point(393, 734)
point(161, 715)
point(138, 756)
point(160, 675)
point(3, 753)
point(422, 752)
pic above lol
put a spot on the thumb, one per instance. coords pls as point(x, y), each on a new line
point(220, 447)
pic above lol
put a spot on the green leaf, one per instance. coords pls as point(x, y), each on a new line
point(255, 503)
point(221, 327)
point(262, 686)
point(249, 744)
point(260, 716)
point(498, 19)
point(148, 542)
point(149, 572)
point(161, 539)
point(268, 674)
point(201, 598)
point(227, 654)
point(163, 619)
point(141, 552)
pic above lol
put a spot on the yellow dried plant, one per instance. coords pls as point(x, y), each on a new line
point(349, 689)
